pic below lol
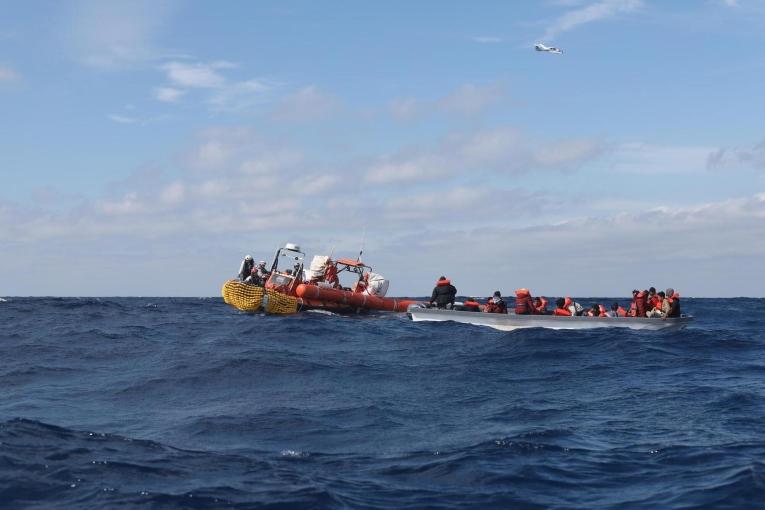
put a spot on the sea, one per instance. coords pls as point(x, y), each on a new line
point(189, 403)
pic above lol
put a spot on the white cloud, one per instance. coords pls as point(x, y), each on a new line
point(498, 151)
point(596, 11)
point(240, 189)
point(471, 100)
point(239, 96)
point(468, 100)
point(168, 94)
point(738, 158)
point(730, 3)
point(641, 158)
point(405, 109)
point(8, 74)
point(307, 104)
point(196, 75)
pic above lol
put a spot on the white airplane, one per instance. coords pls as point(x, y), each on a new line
point(548, 49)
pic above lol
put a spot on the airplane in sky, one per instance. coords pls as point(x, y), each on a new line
point(548, 49)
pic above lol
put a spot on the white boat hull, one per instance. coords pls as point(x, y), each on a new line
point(510, 321)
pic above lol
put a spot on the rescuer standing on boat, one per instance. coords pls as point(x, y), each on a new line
point(443, 293)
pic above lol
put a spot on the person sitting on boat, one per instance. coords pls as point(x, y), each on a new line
point(261, 271)
point(245, 269)
point(639, 304)
point(540, 306)
point(652, 298)
point(443, 293)
point(616, 311)
point(658, 302)
point(671, 305)
point(574, 307)
point(561, 307)
point(524, 303)
point(593, 311)
point(496, 304)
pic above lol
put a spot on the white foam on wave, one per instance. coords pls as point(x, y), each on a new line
point(323, 312)
point(3, 300)
point(293, 454)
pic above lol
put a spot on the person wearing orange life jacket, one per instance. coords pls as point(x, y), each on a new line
point(562, 307)
point(656, 311)
point(616, 311)
point(443, 293)
point(633, 304)
point(524, 304)
point(671, 305)
point(652, 298)
point(540, 306)
point(641, 303)
point(496, 304)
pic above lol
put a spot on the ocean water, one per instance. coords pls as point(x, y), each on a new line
point(188, 403)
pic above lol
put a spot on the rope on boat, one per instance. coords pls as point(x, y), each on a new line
point(250, 298)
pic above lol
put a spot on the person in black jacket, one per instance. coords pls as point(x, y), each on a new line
point(443, 293)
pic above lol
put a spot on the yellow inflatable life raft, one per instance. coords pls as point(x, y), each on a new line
point(250, 298)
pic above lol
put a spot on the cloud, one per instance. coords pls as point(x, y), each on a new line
point(587, 14)
point(468, 100)
point(497, 151)
point(8, 75)
point(307, 104)
point(642, 158)
point(224, 96)
point(738, 158)
point(168, 94)
point(239, 188)
point(114, 35)
point(239, 96)
point(196, 75)
point(730, 3)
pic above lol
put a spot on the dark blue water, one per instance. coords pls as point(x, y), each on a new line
point(187, 403)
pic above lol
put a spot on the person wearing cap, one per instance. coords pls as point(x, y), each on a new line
point(245, 269)
point(443, 293)
point(496, 304)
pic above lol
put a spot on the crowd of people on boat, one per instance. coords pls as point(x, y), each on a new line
point(646, 303)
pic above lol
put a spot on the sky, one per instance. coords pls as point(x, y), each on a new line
point(147, 146)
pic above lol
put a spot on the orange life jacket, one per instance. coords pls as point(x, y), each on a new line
point(523, 303)
point(621, 312)
point(561, 311)
point(443, 283)
point(602, 311)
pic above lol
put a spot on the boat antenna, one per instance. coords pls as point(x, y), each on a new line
point(361, 248)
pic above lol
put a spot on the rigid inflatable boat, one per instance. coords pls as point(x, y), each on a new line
point(290, 287)
point(511, 321)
